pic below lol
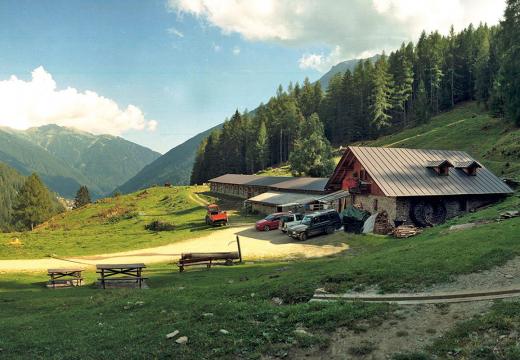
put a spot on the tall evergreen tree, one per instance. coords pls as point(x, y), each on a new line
point(82, 197)
point(509, 77)
point(381, 101)
point(33, 203)
point(312, 155)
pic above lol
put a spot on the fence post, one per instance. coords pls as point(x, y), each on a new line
point(239, 249)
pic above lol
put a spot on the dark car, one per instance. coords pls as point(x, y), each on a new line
point(322, 222)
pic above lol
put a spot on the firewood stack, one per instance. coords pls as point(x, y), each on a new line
point(405, 231)
point(382, 226)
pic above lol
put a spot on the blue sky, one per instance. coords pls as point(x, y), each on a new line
point(185, 64)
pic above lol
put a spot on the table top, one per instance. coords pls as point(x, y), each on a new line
point(120, 266)
point(60, 271)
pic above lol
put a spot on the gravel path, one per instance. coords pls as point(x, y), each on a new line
point(255, 246)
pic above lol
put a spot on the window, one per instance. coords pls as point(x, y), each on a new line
point(375, 205)
point(363, 174)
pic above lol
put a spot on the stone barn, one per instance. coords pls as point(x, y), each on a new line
point(418, 186)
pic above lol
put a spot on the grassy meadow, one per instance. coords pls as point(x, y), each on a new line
point(118, 224)
point(131, 323)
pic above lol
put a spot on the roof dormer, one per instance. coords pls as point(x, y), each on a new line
point(441, 167)
point(469, 167)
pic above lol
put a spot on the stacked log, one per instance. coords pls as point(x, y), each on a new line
point(382, 225)
point(405, 231)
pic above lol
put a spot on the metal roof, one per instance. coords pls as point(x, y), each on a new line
point(303, 184)
point(275, 182)
point(333, 196)
point(283, 198)
point(403, 172)
point(255, 180)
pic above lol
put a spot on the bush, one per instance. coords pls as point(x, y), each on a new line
point(157, 225)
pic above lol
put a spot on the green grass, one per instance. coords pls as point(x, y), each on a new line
point(493, 335)
point(116, 224)
point(284, 170)
point(97, 324)
point(494, 142)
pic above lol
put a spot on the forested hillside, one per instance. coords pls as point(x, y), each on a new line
point(10, 182)
point(398, 91)
point(66, 158)
point(173, 167)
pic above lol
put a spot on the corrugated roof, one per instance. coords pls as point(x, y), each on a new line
point(275, 182)
point(333, 196)
point(302, 183)
point(256, 180)
point(403, 172)
point(283, 198)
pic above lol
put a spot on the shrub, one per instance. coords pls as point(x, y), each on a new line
point(158, 225)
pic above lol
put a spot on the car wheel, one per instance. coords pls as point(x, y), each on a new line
point(303, 236)
point(267, 228)
point(330, 230)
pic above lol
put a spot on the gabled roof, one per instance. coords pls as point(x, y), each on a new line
point(402, 172)
point(274, 182)
point(257, 180)
point(302, 183)
point(438, 163)
point(467, 164)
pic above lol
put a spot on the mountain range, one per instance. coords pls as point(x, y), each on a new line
point(175, 166)
point(66, 158)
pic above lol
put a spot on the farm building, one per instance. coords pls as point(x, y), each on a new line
point(415, 185)
point(266, 194)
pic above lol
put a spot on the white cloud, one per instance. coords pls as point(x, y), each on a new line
point(216, 47)
point(349, 28)
point(236, 50)
point(38, 102)
point(174, 31)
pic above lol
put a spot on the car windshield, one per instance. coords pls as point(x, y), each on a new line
point(307, 220)
point(269, 217)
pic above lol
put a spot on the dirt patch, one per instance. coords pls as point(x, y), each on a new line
point(255, 246)
point(412, 327)
point(506, 275)
point(409, 329)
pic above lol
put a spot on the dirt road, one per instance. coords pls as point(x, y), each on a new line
point(255, 245)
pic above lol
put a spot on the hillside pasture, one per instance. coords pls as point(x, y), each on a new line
point(118, 224)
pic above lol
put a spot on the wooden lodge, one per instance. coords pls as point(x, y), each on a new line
point(415, 185)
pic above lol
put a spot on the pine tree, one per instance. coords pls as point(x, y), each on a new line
point(422, 112)
point(509, 77)
point(381, 101)
point(261, 147)
point(197, 172)
point(82, 197)
point(33, 203)
point(312, 155)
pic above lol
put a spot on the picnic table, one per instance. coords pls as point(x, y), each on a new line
point(120, 272)
point(72, 276)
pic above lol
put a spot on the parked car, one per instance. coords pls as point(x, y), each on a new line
point(290, 220)
point(321, 222)
point(271, 222)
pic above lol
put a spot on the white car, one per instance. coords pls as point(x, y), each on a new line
point(290, 220)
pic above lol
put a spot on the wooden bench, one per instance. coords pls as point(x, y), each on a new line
point(210, 259)
point(65, 276)
point(120, 272)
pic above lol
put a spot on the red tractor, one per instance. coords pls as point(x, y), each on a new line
point(215, 216)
